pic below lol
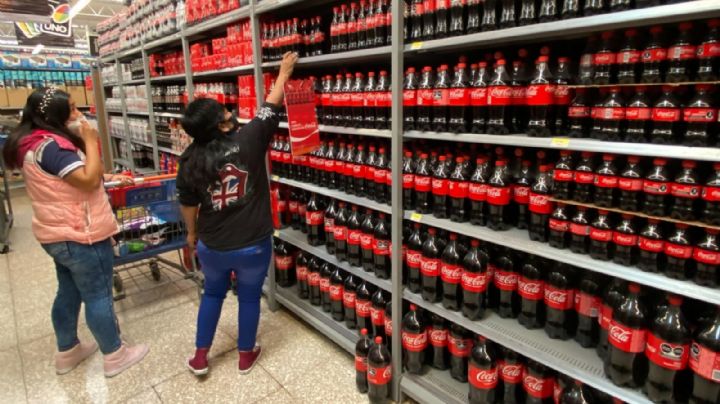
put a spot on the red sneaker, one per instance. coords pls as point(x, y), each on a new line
point(248, 359)
point(199, 363)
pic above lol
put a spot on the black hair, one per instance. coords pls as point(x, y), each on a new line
point(47, 109)
point(200, 163)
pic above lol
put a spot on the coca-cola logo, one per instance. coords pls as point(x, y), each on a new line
point(504, 278)
point(494, 192)
point(458, 93)
point(473, 281)
point(500, 92)
point(414, 340)
point(438, 337)
point(533, 383)
point(538, 200)
point(450, 271)
point(414, 258)
point(665, 113)
point(429, 265)
point(349, 298)
point(511, 371)
point(556, 296)
point(619, 334)
point(425, 181)
point(706, 256)
point(529, 288)
point(487, 376)
point(283, 262)
point(676, 250)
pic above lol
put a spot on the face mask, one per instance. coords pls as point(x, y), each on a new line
point(74, 126)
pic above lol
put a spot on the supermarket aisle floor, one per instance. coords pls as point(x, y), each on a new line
point(298, 364)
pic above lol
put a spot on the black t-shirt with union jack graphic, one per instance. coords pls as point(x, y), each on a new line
point(235, 211)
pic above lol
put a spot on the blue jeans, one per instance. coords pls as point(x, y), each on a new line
point(250, 265)
point(84, 274)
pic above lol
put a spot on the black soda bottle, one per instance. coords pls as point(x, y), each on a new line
point(604, 59)
point(301, 273)
point(601, 234)
point(408, 181)
point(458, 100)
point(414, 341)
point(359, 172)
point(378, 301)
point(704, 351)
point(580, 231)
point(678, 253)
point(531, 288)
point(666, 118)
point(540, 100)
point(539, 383)
point(613, 295)
point(559, 227)
point(314, 280)
point(498, 198)
point(699, 116)
point(459, 344)
point(656, 188)
point(651, 244)
point(423, 185)
point(628, 58)
point(440, 188)
point(708, 53)
point(353, 238)
point(382, 102)
point(430, 267)
point(499, 101)
point(477, 193)
point(588, 302)
point(653, 57)
point(563, 176)
point(458, 187)
point(413, 258)
point(475, 281)
point(337, 288)
point(630, 185)
point(521, 191)
point(638, 115)
point(584, 178)
point(314, 218)
point(370, 102)
point(540, 206)
point(451, 273)
point(681, 56)
point(441, 95)
point(367, 240)
point(626, 364)
point(362, 306)
point(379, 372)
point(610, 118)
point(479, 99)
point(560, 316)
point(512, 370)
point(483, 373)
point(505, 281)
point(579, 115)
point(489, 19)
point(284, 265)
point(625, 241)
point(381, 248)
point(706, 255)
point(362, 347)
point(410, 99)
point(438, 334)
point(349, 297)
point(340, 232)
point(326, 271)
point(425, 96)
point(685, 191)
point(711, 198)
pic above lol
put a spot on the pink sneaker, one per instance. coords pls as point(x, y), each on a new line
point(199, 363)
point(248, 359)
point(70, 359)
point(122, 359)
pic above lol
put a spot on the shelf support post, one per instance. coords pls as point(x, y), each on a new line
point(151, 110)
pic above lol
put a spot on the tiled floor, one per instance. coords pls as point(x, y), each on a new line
point(298, 364)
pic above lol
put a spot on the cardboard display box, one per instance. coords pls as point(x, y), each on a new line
point(17, 96)
point(3, 98)
point(90, 96)
point(78, 95)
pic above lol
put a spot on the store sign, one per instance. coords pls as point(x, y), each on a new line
point(55, 31)
point(24, 10)
point(300, 100)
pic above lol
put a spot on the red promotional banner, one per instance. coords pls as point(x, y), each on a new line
point(302, 119)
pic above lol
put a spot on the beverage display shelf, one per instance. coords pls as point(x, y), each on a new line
point(114, 111)
point(298, 239)
point(176, 77)
point(122, 162)
point(266, 6)
point(316, 317)
point(435, 386)
point(576, 144)
point(217, 22)
point(118, 137)
point(169, 151)
point(360, 55)
point(332, 193)
point(134, 82)
point(684, 83)
point(566, 357)
point(141, 143)
point(163, 42)
point(142, 113)
point(230, 71)
point(344, 130)
point(128, 53)
point(639, 214)
point(574, 27)
point(168, 114)
point(519, 240)
point(145, 170)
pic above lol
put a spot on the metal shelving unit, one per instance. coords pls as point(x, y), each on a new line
point(434, 386)
point(384, 133)
point(363, 55)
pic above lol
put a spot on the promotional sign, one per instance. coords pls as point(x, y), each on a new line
point(302, 119)
point(55, 31)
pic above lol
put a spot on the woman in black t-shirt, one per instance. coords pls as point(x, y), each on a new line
point(224, 196)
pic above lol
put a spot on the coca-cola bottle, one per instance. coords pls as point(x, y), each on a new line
point(578, 115)
point(707, 259)
point(539, 383)
point(314, 218)
point(440, 188)
point(711, 197)
point(410, 99)
point(499, 101)
point(284, 265)
point(367, 241)
point(352, 27)
point(413, 259)
point(414, 341)
point(498, 198)
point(301, 274)
point(359, 172)
point(423, 185)
point(610, 118)
point(441, 96)
point(540, 99)
point(704, 351)
point(601, 247)
point(638, 115)
point(681, 56)
point(651, 244)
point(475, 281)
point(483, 373)
point(559, 227)
point(379, 372)
point(531, 289)
point(505, 281)
point(417, 9)
point(656, 188)
point(473, 16)
point(626, 364)
point(346, 101)
point(459, 344)
point(548, 11)
point(477, 193)
point(362, 25)
point(381, 248)
point(458, 100)
point(337, 283)
point(580, 231)
point(708, 53)
point(666, 118)
point(362, 306)
point(700, 117)
point(628, 58)
point(668, 348)
point(370, 102)
point(613, 295)
point(563, 176)
point(451, 271)
point(380, 177)
point(354, 237)
point(511, 368)
point(370, 167)
point(540, 206)
point(342, 29)
point(584, 178)
point(653, 57)
point(604, 59)
point(519, 80)
point(561, 318)
point(479, 99)
point(441, 18)
point(338, 101)
point(457, 17)
point(437, 329)
point(458, 187)
point(378, 301)
point(570, 9)
point(527, 13)
point(314, 280)
point(606, 182)
point(489, 19)
point(340, 232)
point(409, 167)
point(428, 20)
point(430, 267)
point(586, 70)
point(625, 242)
point(588, 302)
point(326, 271)
point(425, 96)
point(686, 192)
point(562, 96)
point(348, 301)
point(362, 348)
point(382, 101)
point(678, 253)
point(630, 184)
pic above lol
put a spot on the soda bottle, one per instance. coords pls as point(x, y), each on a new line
point(334, 30)
point(337, 101)
point(505, 280)
point(439, 356)
point(626, 364)
point(328, 114)
point(625, 241)
point(370, 102)
point(477, 193)
point(457, 16)
point(348, 301)
point(451, 273)
point(708, 53)
point(359, 172)
point(653, 57)
point(610, 118)
point(570, 9)
point(540, 206)
point(561, 317)
point(378, 301)
point(425, 97)
point(576, 393)
point(588, 303)
point(423, 185)
point(562, 180)
point(314, 218)
point(414, 341)
point(441, 96)
point(479, 99)
point(301, 274)
point(559, 227)
point(628, 58)
point(314, 280)
point(668, 346)
point(458, 100)
point(372, 21)
point(540, 99)
point(352, 27)
point(339, 167)
point(578, 115)
point(638, 116)
point(499, 101)
point(548, 11)
point(519, 81)
point(511, 368)
point(340, 232)
point(458, 188)
point(539, 383)
point(382, 247)
point(489, 20)
point(586, 71)
point(413, 259)
point(498, 198)
point(580, 231)
point(677, 253)
point(354, 236)
point(380, 177)
point(370, 167)
point(330, 157)
point(346, 101)
point(651, 245)
point(656, 188)
point(362, 348)
point(459, 344)
point(379, 372)
point(284, 265)
point(527, 13)
point(707, 258)
point(362, 23)
point(367, 241)
point(382, 102)
point(362, 306)
point(428, 19)
point(700, 117)
point(417, 9)
point(475, 281)
point(336, 292)
point(357, 96)
point(606, 182)
point(620, 5)
point(666, 118)
point(562, 96)
point(408, 181)
point(410, 99)
point(604, 60)
point(711, 196)
point(388, 324)
point(531, 290)
point(681, 56)
point(630, 185)
point(594, 7)
point(686, 191)
point(584, 178)
point(483, 373)
point(430, 267)
point(601, 235)
point(440, 188)
point(613, 295)
point(441, 18)
point(326, 271)
point(703, 362)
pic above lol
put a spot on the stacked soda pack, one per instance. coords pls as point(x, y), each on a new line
point(305, 37)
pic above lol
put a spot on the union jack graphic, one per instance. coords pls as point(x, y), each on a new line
point(233, 185)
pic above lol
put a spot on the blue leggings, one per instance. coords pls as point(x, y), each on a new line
point(250, 266)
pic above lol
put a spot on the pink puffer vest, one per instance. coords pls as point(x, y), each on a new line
point(62, 212)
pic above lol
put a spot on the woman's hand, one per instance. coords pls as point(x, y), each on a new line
point(88, 134)
point(287, 65)
point(192, 242)
point(122, 179)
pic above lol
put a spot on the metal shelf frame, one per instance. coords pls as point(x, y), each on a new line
point(434, 386)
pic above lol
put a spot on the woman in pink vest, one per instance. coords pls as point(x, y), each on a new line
point(59, 155)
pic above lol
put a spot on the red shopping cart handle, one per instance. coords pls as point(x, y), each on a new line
point(140, 180)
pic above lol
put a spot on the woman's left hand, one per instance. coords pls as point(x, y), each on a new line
point(123, 179)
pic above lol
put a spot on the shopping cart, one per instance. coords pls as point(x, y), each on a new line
point(151, 225)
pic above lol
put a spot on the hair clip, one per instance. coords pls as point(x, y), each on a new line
point(47, 97)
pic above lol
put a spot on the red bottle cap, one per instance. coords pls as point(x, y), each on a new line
point(382, 150)
point(602, 212)
point(631, 32)
point(381, 215)
point(453, 236)
point(542, 59)
point(675, 300)
point(358, 75)
point(443, 158)
point(378, 340)
point(633, 159)
point(383, 72)
point(565, 153)
point(338, 76)
point(607, 35)
point(522, 52)
point(411, 70)
point(681, 226)
point(461, 65)
point(608, 157)
point(432, 231)
point(459, 160)
point(659, 162)
point(714, 23)
point(563, 60)
point(427, 69)
point(371, 74)
point(543, 168)
point(475, 243)
point(473, 65)
point(417, 225)
point(716, 166)
point(688, 164)
point(364, 330)
point(634, 288)
point(413, 307)
point(500, 163)
point(501, 62)
point(408, 154)
point(348, 75)
point(627, 216)
point(482, 64)
point(424, 156)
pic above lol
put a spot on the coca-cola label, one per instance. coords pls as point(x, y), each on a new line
point(511, 373)
point(540, 94)
point(666, 354)
point(340, 233)
point(625, 338)
point(441, 97)
point(624, 239)
point(559, 299)
point(651, 245)
point(666, 114)
point(706, 256)
point(630, 184)
point(708, 50)
point(540, 204)
point(324, 284)
point(284, 263)
point(357, 100)
point(336, 292)
point(450, 273)
point(478, 191)
point(685, 190)
point(352, 27)
point(604, 58)
point(587, 305)
point(410, 98)
point(439, 186)
point(293, 207)
point(499, 96)
point(682, 52)
point(301, 272)
point(562, 95)
point(711, 194)
point(606, 181)
point(559, 225)
point(438, 337)
point(362, 308)
point(458, 189)
point(349, 299)
point(560, 175)
point(609, 113)
point(414, 342)
point(325, 100)
point(474, 282)
point(408, 181)
point(701, 115)
point(606, 313)
point(638, 113)
point(654, 55)
point(381, 247)
point(354, 236)
point(370, 99)
point(579, 229)
point(315, 218)
point(530, 289)
point(379, 376)
point(413, 259)
point(498, 195)
point(313, 278)
point(366, 241)
point(678, 250)
point(705, 362)
point(358, 170)
point(505, 280)
point(655, 187)
point(584, 177)
point(579, 112)
point(478, 96)
point(377, 315)
point(388, 327)
point(380, 176)
point(519, 95)
point(538, 387)
point(430, 266)
point(425, 97)
point(521, 194)
point(630, 56)
point(602, 235)
point(459, 97)
point(423, 183)
point(482, 379)
point(459, 347)
point(361, 364)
